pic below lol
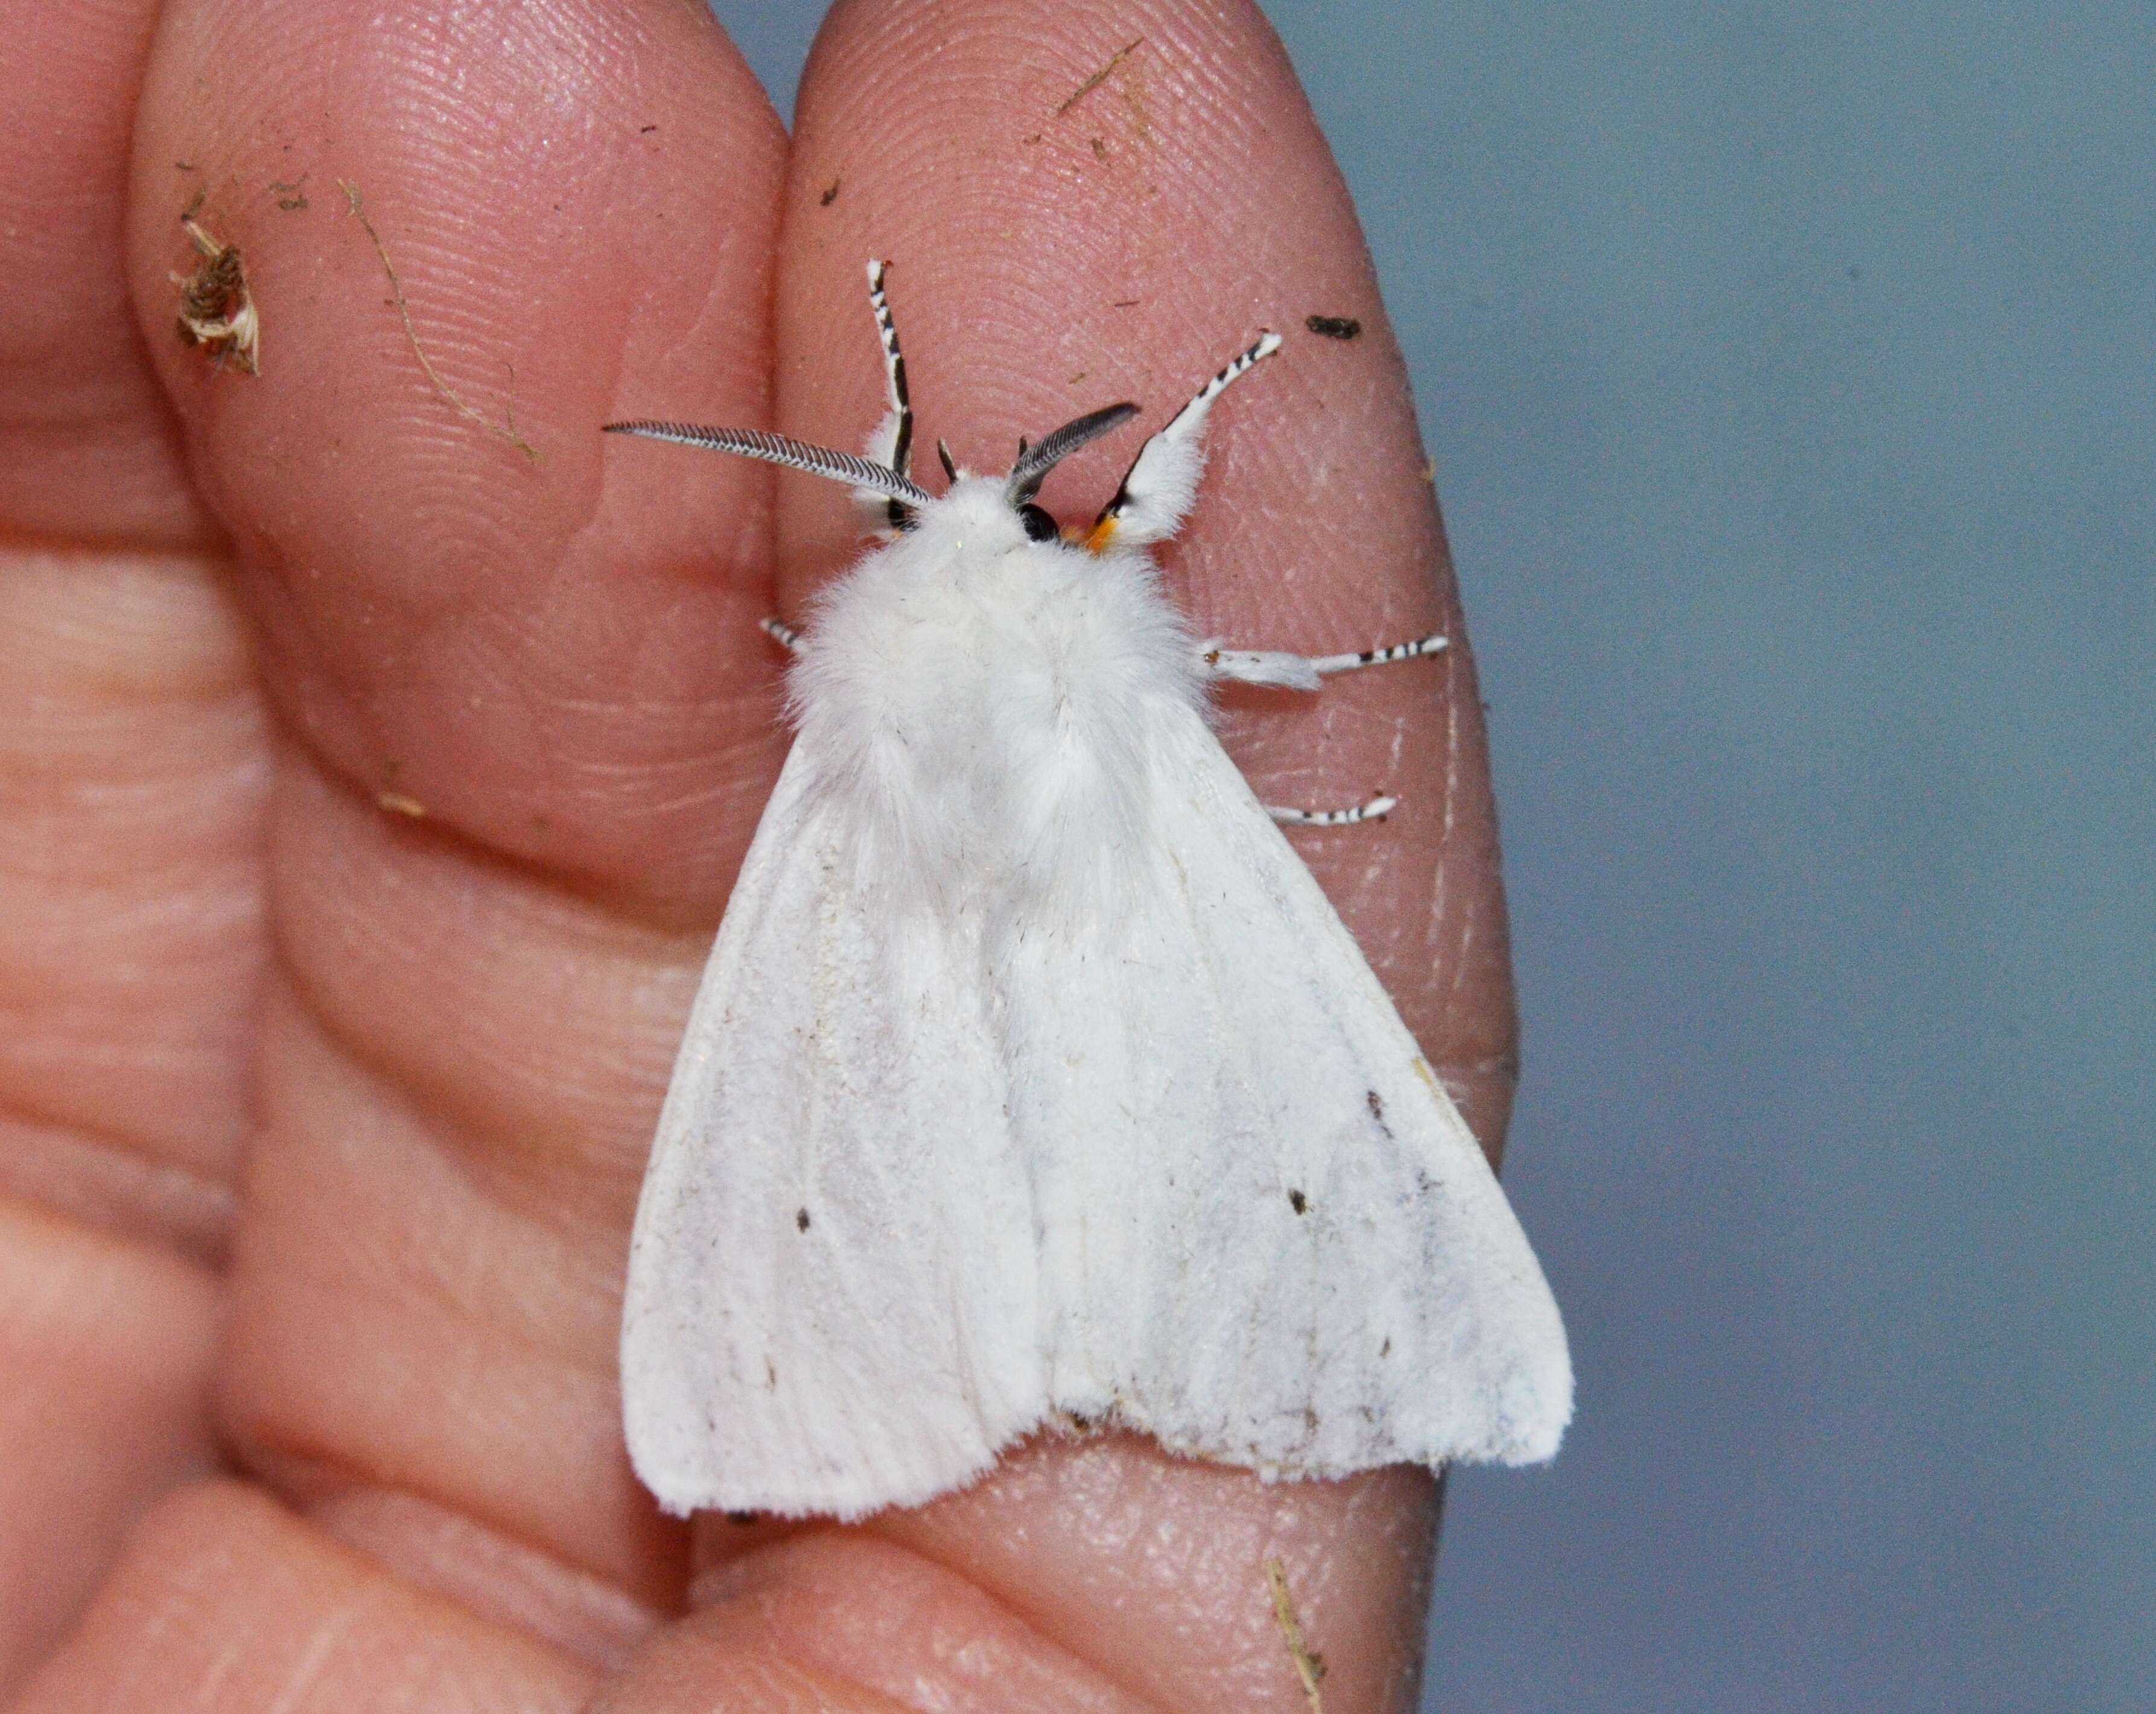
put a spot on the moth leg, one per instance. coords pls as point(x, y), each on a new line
point(890, 443)
point(1377, 809)
point(1303, 672)
point(1258, 666)
point(1328, 664)
point(1157, 489)
point(780, 632)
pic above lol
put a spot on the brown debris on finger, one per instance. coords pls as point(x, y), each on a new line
point(216, 310)
point(1099, 77)
point(1333, 326)
point(504, 430)
point(1309, 1666)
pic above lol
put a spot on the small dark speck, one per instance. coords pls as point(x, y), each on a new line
point(1297, 1200)
point(744, 1518)
point(770, 1375)
point(1333, 326)
point(801, 1220)
point(1854, 271)
point(1124, 303)
point(645, 130)
point(831, 195)
point(1376, 1105)
point(1386, 1349)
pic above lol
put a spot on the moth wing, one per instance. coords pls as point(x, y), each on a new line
point(830, 1301)
point(1284, 1248)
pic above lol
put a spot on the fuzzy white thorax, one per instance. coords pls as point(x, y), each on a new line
point(976, 703)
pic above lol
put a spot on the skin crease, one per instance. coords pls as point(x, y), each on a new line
point(238, 611)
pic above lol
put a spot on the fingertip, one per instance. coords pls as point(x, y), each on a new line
point(1111, 201)
point(471, 236)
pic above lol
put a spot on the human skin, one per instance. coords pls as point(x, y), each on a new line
point(320, 1123)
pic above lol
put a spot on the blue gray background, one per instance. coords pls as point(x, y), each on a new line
point(1790, 371)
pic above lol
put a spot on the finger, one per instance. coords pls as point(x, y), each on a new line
point(132, 761)
point(131, 769)
point(1060, 240)
point(88, 449)
point(108, 1342)
point(517, 728)
point(250, 1608)
point(1101, 1575)
point(471, 608)
point(1044, 262)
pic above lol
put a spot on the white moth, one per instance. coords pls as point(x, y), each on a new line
point(1033, 1080)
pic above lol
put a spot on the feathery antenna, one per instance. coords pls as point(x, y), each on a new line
point(782, 450)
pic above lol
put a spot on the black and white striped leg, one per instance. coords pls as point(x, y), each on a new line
point(1258, 666)
point(1328, 664)
point(896, 435)
point(780, 632)
point(1377, 809)
point(890, 443)
point(1162, 479)
point(1302, 672)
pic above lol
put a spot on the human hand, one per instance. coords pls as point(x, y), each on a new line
point(253, 623)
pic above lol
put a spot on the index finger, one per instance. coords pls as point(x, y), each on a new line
point(1048, 259)
point(1103, 203)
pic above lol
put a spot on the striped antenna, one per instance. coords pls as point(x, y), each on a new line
point(894, 372)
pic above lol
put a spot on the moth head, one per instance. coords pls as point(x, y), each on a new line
point(1035, 460)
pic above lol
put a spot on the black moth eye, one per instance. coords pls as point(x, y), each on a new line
point(1038, 526)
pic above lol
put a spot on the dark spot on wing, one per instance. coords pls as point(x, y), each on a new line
point(744, 1518)
point(1297, 1200)
point(801, 1220)
point(770, 1374)
point(1376, 1105)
